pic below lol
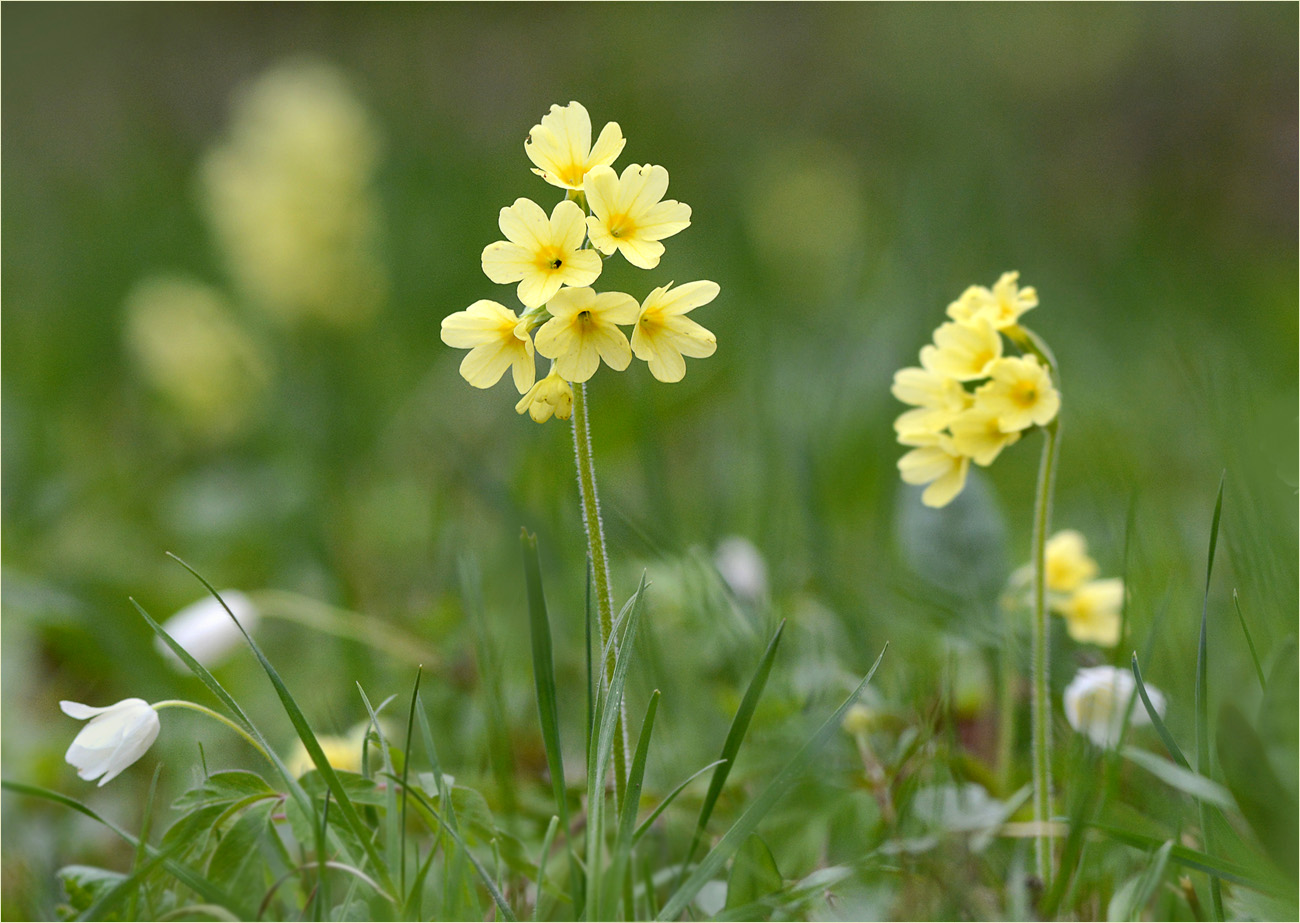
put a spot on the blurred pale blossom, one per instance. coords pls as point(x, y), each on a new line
point(206, 631)
point(190, 348)
point(116, 737)
point(342, 752)
point(290, 197)
point(1096, 699)
point(742, 567)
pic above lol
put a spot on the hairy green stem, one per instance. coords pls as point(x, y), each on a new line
point(600, 570)
point(204, 710)
point(1041, 700)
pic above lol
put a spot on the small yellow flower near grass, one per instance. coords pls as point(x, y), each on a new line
point(964, 350)
point(1092, 612)
point(664, 334)
point(937, 400)
point(561, 148)
point(1001, 307)
point(497, 340)
point(541, 254)
point(583, 329)
point(1068, 562)
point(976, 433)
point(1020, 393)
point(627, 213)
point(935, 461)
point(341, 752)
point(552, 396)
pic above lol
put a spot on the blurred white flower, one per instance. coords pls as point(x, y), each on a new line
point(190, 348)
point(290, 197)
point(116, 737)
point(742, 567)
point(205, 630)
point(1096, 699)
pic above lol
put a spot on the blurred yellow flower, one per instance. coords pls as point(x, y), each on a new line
point(1067, 562)
point(342, 753)
point(561, 146)
point(191, 349)
point(582, 331)
point(664, 334)
point(1001, 307)
point(291, 200)
point(937, 400)
point(552, 396)
point(1019, 393)
point(1092, 612)
point(935, 461)
point(627, 213)
point(964, 350)
point(497, 340)
point(975, 432)
point(541, 254)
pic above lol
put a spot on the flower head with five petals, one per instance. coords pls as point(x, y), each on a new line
point(628, 213)
point(541, 254)
point(496, 339)
point(583, 330)
point(664, 334)
point(561, 146)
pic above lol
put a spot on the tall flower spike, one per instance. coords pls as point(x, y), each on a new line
point(627, 213)
point(497, 340)
point(561, 146)
point(582, 331)
point(664, 334)
point(541, 254)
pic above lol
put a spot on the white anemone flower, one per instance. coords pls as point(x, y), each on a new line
point(116, 737)
point(206, 630)
point(1096, 699)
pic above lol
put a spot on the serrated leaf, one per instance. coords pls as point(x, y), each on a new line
point(223, 788)
point(84, 884)
point(360, 789)
point(239, 846)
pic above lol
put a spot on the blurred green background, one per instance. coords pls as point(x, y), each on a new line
point(851, 169)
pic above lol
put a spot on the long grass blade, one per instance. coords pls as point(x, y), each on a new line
point(1250, 642)
point(735, 737)
point(1156, 721)
point(1203, 702)
point(731, 841)
point(309, 741)
point(393, 836)
point(1186, 857)
point(406, 771)
point(624, 839)
point(499, 756)
point(644, 828)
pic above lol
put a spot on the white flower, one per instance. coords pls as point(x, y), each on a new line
point(742, 566)
point(205, 629)
point(1096, 699)
point(116, 737)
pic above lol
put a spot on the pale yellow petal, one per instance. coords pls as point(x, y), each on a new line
point(611, 344)
point(615, 308)
point(601, 189)
point(643, 254)
point(664, 220)
point(525, 223)
point(945, 488)
point(505, 262)
point(568, 226)
point(608, 146)
point(640, 187)
point(484, 365)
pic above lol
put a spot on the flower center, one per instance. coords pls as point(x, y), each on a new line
point(1025, 395)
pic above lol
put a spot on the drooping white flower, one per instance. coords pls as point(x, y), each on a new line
point(116, 737)
point(206, 631)
point(742, 566)
point(1096, 699)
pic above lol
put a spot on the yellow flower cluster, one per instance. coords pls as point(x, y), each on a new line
point(556, 258)
point(950, 424)
point(1091, 607)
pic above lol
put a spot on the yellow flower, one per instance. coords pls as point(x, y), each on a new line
point(934, 461)
point(342, 753)
point(497, 340)
point(1092, 612)
point(627, 214)
point(975, 432)
point(964, 350)
point(1001, 307)
point(663, 333)
point(937, 400)
point(1067, 562)
point(582, 331)
point(552, 396)
point(541, 255)
point(1019, 393)
point(561, 146)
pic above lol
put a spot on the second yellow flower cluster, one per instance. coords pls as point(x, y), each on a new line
point(951, 426)
point(556, 258)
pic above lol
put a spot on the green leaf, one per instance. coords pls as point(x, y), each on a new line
point(754, 874)
point(735, 737)
point(627, 822)
point(1203, 698)
point(223, 788)
point(1185, 856)
point(1186, 781)
point(1131, 897)
point(745, 825)
point(239, 846)
point(1279, 716)
point(85, 884)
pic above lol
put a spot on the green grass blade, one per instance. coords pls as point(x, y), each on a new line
point(483, 874)
point(499, 756)
point(308, 738)
point(542, 858)
point(1186, 857)
point(644, 828)
point(1175, 776)
point(624, 839)
point(1254, 656)
point(1203, 700)
point(393, 835)
point(406, 771)
point(1156, 721)
point(187, 876)
point(731, 841)
point(735, 737)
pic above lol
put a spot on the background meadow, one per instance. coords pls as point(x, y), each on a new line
point(851, 169)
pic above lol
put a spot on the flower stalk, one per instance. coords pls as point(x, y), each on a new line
point(204, 710)
point(595, 530)
point(1041, 703)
